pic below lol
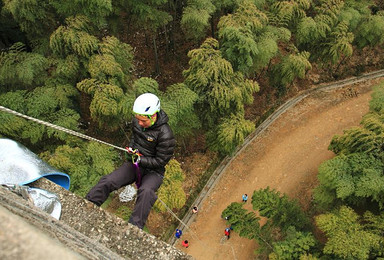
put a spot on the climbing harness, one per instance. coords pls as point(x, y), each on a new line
point(136, 157)
point(135, 161)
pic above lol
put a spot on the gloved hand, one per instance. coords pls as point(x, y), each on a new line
point(130, 150)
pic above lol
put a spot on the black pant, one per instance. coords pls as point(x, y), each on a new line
point(124, 175)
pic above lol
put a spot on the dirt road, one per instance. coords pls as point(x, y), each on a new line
point(284, 157)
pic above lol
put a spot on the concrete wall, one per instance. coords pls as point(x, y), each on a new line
point(84, 230)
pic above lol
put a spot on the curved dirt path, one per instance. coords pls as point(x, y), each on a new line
point(285, 157)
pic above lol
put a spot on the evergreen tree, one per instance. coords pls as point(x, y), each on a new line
point(238, 35)
point(146, 85)
point(244, 222)
point(295, 245)
point(323, 30)
point(103, 69)
point(370, 31)
point(178, 102)
point(96, 10)
point(230, 133)
point(291, 67)
point(288, 13)
point(85, 162)
point(74, 38)
point(11, 125)
point(347, 238)
point(339, 44)
point(221, 91)
point(37, 19)
point(171, 191)
point(377, 102)
point(282, 211)
point(20, 69)
point(49, 103)
point(352, 179)
point(196, 16)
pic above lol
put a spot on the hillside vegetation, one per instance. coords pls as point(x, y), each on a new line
point(217, 66)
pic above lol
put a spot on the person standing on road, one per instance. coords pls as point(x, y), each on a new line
point(185, 243)
point(178, 233)
point(245, 197)
point(227, 232)
point(151, 147)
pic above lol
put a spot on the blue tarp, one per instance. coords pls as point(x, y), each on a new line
point(20, 166)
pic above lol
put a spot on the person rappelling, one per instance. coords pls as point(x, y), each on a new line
point(151, 147)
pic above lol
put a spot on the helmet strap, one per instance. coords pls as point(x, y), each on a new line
point(153, 118)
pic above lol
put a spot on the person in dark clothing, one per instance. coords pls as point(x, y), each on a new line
point(151, 147)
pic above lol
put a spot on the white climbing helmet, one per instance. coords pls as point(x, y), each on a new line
point(146, 104)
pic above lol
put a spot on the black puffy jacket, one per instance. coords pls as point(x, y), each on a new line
point(156, 143)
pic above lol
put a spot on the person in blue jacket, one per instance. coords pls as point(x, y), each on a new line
point(178, 233)
point(245, 197)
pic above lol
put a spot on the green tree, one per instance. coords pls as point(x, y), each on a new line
point(48, 103)
point(221, 91)
point(85, 162)
point(288, 13)
point(104, 69)
point(374, 223)
point(178, 102)
point(291, 67)
point(74, 38)
point(145, 85)
point(347, 238)
point(230, 133)
point(319, 34)
point(238, 34)
point(371, 31)
point(96, 11)
point(37, 19)
point(11, 125)
point(244, 222)
point(171, 191)
point(295, 245)
point(196, 16)
point(377, 102)
point(340, 43)
point(358, 140)
point(352, 179)
point(147, 16)
point(282, 211)
point(20, 69)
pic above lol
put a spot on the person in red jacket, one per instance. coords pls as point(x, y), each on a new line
point(185, 243)
point(151, 148)
point(227, 232)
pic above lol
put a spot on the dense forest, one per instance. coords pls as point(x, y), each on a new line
point(217, 66)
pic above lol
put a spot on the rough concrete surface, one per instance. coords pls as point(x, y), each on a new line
point(83, 231)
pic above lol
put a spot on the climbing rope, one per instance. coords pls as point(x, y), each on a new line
point(60, 128)
point(66, 130)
